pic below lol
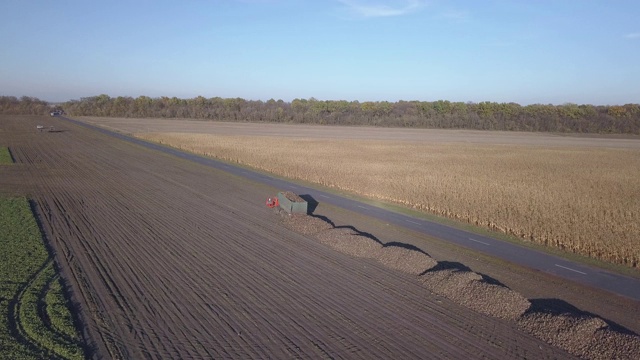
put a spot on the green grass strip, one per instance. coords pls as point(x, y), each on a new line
point(30, 300)
point(35, 322)
point(57, 308)
point(5, 156)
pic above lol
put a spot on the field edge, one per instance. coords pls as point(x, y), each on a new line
point(34, 314)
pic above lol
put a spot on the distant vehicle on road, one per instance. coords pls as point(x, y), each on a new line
point(57, 112)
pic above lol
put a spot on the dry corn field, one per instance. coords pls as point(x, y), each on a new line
point(583, 200)
point(579, 193)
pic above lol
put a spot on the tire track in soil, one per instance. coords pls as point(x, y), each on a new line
point(58, 223)
point(13, 315)
point(175, 260)
point(44, 315)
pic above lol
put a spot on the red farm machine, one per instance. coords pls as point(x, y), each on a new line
point(289, 202)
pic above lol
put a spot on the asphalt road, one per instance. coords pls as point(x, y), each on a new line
point(531, 258)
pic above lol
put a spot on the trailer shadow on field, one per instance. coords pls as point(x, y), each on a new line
point(557, 307)
point(312, 203)
point(462, 268)
point(548, 306)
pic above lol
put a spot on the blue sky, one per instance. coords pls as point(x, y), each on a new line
point(528, 51)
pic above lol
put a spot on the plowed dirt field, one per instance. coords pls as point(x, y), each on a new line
point(170, 259)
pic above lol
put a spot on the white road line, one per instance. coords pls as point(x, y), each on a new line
point(413, 222)
point(324, 196)
point(574, 270)
point(361, 207)
point(481, 242)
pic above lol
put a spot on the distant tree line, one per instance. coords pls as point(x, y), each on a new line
point(442, 114)
point(25, 105)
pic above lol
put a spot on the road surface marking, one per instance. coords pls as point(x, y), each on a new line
point(481, 242)
point(574, 270)
point(324, 196)
point(413, 222)
point(362, 207)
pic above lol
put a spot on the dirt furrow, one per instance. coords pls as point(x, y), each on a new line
point(171, 259)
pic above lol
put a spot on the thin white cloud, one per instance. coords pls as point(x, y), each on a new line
point(371, 9)
point(456, 15)
point(633, 35)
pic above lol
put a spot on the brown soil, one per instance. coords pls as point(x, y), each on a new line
point(405, 259)
point(292, 196)
point(350, 242)
point(587, 336)
point(472, 290)
point(170, 259)
point(581, 334)
point(306, 225)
